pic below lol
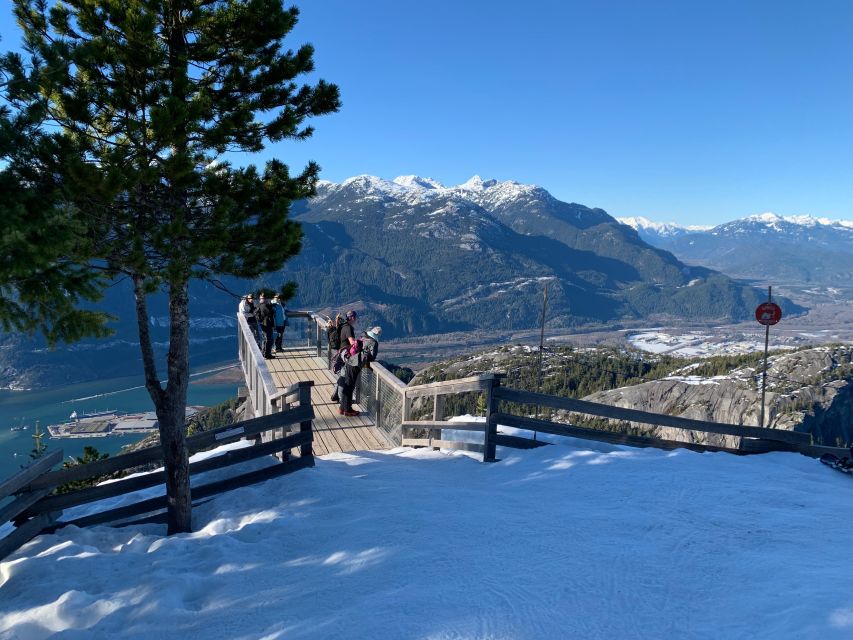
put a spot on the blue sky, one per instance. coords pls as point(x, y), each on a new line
point(694, 112)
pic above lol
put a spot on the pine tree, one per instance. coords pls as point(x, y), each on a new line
point(90, 454)
point(40, 287)
point(147, 97)
point(39, 446)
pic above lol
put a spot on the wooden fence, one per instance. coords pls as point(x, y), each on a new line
point(35, 508)
point(753, 439)
point(389, 402)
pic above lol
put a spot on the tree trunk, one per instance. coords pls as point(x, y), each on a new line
point(173, 440)
point(170, 404)
point(172, 416)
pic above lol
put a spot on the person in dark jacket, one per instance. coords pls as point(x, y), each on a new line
point(360, 356)
point(333, 332)
point(346, 337)
point(280, 322)
point(348, 329)
point(266, 319)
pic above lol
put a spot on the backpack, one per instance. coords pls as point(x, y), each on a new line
point(369, 349)
point(362, 353)
point(338, 360)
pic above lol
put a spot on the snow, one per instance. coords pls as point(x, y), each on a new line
point(774, 221)
point(416, 189)
point(573, 540)
point(698, 380)
point(660, 228)
point(416, 182)
point(768, 219)
point(695, 344)
point(476, 183)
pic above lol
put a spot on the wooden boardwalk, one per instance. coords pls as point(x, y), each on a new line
point(332, 432)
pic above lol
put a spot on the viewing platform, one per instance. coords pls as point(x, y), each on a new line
point(266, 381)
point(332, 431)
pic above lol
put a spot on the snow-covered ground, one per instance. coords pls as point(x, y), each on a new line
point(574, 540)
point(696, 344)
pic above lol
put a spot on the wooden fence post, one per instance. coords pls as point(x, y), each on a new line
point(437, 414)
point(407, 410)
point(491, 420)
point(319, 339)
point(307, 449)
point(377, 406)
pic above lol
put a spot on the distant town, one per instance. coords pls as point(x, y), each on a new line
point(101, 424)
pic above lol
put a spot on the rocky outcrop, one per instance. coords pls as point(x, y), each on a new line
point(809, 391)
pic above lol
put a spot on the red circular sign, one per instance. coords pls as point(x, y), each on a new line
point(768, 313)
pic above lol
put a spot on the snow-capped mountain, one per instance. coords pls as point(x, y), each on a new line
point(420, 257)
point(425, 257)
point(793, 250)
point(648, 228)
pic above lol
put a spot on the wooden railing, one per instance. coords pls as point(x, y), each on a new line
point(389, 402)
point(259, 381)
point(379, 391)
point(262, 390)
point(753, 439)
point(35, 509)
point(382, 395)
point(23, 498)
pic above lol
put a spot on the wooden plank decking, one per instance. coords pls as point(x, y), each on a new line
point(332, 432)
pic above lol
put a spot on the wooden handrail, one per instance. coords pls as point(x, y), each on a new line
point(25, 476)
point(20, 504)
point(26, 532)
point(198, 493)
point(460, 385)
point(261, 392)
point(444, 424)
point(112, 489)
point(292, 390)
point(387, 377)
point(195, 443)
point(645, 417)
point(443, 444)
point(554, 428)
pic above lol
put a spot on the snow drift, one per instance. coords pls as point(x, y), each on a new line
point(574, 540)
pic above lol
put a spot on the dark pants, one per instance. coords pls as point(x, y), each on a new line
point(346, 386)
point(268, 340)
point(279, 337)
point(253, 327)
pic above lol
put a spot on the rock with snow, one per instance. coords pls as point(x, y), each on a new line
point(809, 391)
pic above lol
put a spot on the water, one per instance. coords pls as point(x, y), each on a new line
point(20, 408)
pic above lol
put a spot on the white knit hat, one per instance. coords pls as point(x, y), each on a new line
point(375, 333)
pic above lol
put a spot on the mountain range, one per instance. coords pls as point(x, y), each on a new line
point(802, 251)
point(418, 257)
point(427, 258)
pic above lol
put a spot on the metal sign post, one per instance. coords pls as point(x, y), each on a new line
point(767, 313)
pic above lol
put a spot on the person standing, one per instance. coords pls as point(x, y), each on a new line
point(346, 338)
point(280, 322)
point(347, 332)
point(247, 308)
point(366, 350)
point(266, 320)
point(333, 332)
point(333, 336)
